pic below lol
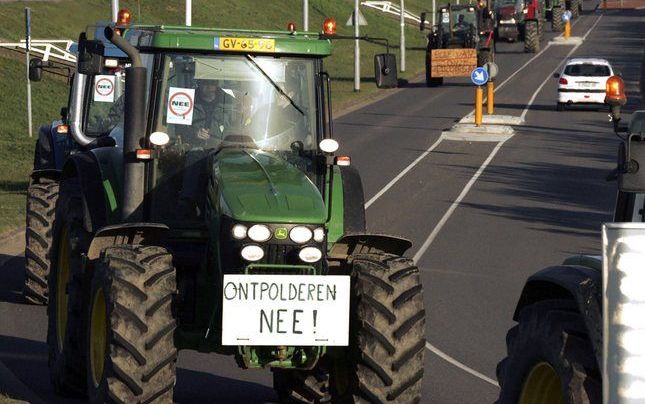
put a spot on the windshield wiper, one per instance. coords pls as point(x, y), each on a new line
point(277, 87)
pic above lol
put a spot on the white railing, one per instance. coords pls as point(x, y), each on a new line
point(58, 49)
point(391, 8)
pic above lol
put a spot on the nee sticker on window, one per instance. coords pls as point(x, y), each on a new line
point(181, 103)
point(104, 88)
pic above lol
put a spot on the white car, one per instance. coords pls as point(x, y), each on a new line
point(582, 81)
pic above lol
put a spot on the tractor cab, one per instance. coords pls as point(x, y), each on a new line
point(458, 25)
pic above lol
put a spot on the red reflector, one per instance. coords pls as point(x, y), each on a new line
point(343, 161)
point(144, 154)
point(62, 129)
point(563, 81)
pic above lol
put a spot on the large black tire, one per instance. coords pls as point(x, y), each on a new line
point(384, 360)
point(298, 386)
point(131, 354)
point(66, 355)
point(431, 81)
point(553, 333)
point(575, 9)
point(531, 37)
point(556, 21)
point(41, 205)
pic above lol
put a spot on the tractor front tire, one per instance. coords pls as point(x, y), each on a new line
point(531, 37)
point(556, 20)
point(131, 354)
point(302, 386)
point(41, 205)
point(575, 9)
point(549, 355)
point(65, 309)
point(384, 360)
point(483, 57)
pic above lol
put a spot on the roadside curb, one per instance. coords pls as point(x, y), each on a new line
point(13, 387)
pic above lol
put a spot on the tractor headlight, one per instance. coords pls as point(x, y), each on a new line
point(310, 254)
point(319, 235)
point(259, 233)
point(239, 231)
point(252, 253)
point(300, 234)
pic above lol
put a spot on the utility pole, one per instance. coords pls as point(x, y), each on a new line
point(189, 13)
point(434, 12)
point(357, 50)
point(27, 45)
point(305, 15)
point(115, 10)
point(402, 35)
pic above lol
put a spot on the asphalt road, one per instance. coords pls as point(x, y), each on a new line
point(541, 197)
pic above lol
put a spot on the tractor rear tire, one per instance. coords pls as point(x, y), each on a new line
point(131, 354)
point(384, 360)
point(549, 347)
point(41, 206)
point(65, 309)
point(483, 57)
point(556, 21)
point(575, 9)
point(531, 37)
point(302, 386)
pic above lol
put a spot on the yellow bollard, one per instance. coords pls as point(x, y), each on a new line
point(479, 99)
point(567, 30)
point(490, 97)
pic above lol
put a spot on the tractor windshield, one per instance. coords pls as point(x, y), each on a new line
point(212, 102)
point(458, 20)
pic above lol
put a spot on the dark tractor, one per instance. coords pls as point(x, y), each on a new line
point(556, 349)
point(521, 20)
point(200, 206)
point(459, 27)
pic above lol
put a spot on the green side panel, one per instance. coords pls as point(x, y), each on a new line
point(257, 186)
point(590, 261)
point(109, 194)
point(335, 225)
point(196, 38)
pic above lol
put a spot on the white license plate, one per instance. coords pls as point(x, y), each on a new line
point(305, 310)
point(586, 84)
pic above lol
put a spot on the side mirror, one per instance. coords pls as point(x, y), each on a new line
point(556, 75)
point(422, 23)
point(90, 56)
point(385, 73)
point(35, 69)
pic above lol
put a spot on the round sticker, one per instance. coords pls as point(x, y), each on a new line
point(180, 104)
point(104, 87)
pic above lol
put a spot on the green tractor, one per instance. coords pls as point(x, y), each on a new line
point(569, 344)
point(201, 206)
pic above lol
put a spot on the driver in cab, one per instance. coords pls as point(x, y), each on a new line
point(461, 25)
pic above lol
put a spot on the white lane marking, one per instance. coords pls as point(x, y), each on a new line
point(455, 204)
point(548, 78)
point(458, 364)
point(402, 173)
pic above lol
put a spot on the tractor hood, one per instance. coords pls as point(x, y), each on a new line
point(505, 12)
point(258, 186)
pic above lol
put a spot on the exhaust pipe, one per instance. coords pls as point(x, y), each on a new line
point(133, 131)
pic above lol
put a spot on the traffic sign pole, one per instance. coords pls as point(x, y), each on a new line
point(567, 29)
point(479, 97)
point(357, 50)
point(490, 97)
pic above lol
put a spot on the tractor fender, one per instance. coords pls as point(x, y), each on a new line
point(353, 200)
point(580, 283)
point(50, 147)
point(85, 168)
point(363, 243)
point(50, 173)
point(126, 233)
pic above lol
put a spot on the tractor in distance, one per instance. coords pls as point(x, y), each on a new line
point(462, 40)
point(200, 205)
point(521, 20)
point(565, 346)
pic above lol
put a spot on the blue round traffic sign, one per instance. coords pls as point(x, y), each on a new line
point(566, 16)
point(479, 76)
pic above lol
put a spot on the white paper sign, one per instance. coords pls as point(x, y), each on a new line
point(181, 105)
point(104, 88)
point(303, 310)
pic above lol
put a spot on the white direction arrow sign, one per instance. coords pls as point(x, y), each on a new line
point(361, 19)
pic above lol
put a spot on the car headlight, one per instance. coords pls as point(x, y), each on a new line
point(310, 254)
point(239, 231)
point(300, 234)
point(319, 234)
point(259, 233)
point(252, 253)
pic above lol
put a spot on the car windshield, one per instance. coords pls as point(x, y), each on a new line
point(263, 102)
point(587, 70)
